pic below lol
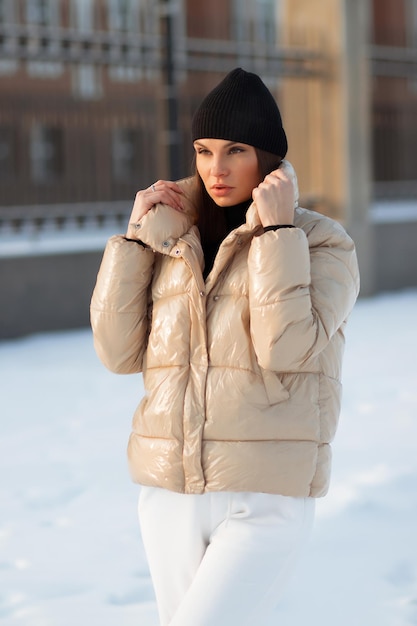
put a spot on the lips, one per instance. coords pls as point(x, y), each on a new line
point(220, 190)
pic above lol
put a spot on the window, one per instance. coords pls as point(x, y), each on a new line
point(46, 153)
point(39, 12)
point(7, 152)
point(123, 15)
point(134, 18)
point(255, 20)
point(86, 78)
point(43, 14)
point(411, 23)
point(7, 16)
point(82, 15)
point(7, 11)
point(125, 74)
point(125, 154)
point(8, 66)
point(44, 69)
point(149, 15)
point(265, 22)
point(86, 81)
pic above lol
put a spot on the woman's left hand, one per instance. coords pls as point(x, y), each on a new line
point(274, 199)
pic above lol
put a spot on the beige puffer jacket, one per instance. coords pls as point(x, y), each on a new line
point(242, 371)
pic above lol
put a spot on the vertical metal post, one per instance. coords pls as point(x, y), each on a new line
point(171, 135)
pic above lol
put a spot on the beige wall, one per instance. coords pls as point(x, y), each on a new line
point(327, 118)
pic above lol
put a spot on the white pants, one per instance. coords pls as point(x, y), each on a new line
point(221, 559)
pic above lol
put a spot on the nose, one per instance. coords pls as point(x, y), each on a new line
point(218, 166)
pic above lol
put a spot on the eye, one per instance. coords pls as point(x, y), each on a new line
point(202, 151)
point(236, 149)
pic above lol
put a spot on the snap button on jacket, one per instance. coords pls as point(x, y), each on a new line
point(242, 372)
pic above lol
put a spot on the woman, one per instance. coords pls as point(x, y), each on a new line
point(232, 301)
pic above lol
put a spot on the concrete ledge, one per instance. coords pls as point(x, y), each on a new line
point(46, 293)
point(395, 250)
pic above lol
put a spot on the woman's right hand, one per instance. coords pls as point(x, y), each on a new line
point(164, 191)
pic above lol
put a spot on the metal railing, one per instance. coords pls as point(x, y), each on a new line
point(66, 45)
point(218, 55)
point(393, 61)
point(57, 218)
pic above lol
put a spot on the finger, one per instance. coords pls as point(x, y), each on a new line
point(266, 186)
point(167, 196)
point(280, 174)
point(167, 183)
point(271, 179)
point(161, 191)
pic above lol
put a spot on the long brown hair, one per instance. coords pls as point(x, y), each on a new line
point(211, 220)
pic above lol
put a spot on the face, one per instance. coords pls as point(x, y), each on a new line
point(228, 169)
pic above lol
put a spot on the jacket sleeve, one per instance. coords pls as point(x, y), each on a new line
point(301, 291)
point(119, 305)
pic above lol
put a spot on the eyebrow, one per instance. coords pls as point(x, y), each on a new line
point(227, 145)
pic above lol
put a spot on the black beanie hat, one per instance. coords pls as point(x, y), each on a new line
point(241, 108)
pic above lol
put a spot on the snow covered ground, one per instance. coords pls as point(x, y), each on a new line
point(70, 548)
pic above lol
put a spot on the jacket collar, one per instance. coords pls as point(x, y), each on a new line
point(163, 226)
point(253, 222)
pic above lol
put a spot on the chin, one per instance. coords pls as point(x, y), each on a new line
point(224, 202)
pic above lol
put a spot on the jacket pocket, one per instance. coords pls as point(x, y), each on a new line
point(274, 388)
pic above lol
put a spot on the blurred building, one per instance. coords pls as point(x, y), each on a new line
point(96, 98)
point(393, 40)
point(77, 81)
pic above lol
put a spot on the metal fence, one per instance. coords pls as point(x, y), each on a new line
point(394, 121)
point(56, 150)
point(65, 159)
